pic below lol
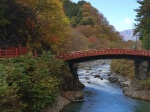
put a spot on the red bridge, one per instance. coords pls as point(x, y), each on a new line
point(110, 53)
point(139, 56)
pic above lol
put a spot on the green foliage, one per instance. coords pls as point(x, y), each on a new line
point(146, 42)
point(28, 84)
point(33, 23)
point(123, 67)
point(87, 21)
point(146, 83)
point(72, 10)
point(3, 8)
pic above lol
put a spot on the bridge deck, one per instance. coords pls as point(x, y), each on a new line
point(102, 52)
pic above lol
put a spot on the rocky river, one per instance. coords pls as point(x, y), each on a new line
point(102, 95)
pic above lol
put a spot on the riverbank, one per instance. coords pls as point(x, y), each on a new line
point(72, 96)
point(132, 87)
point(102, 95)
point(64, 99)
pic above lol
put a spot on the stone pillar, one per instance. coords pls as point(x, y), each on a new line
point(144, 70)
point(137, 72)
point(141, 70)
point(76, 83)
point(68, 79)
point(148, 71)
point(73, 68)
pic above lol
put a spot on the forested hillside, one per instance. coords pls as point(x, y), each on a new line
point(55, 25)
point(92, 25)
point(37, 25)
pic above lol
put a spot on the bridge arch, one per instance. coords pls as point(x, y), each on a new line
point(139, 56)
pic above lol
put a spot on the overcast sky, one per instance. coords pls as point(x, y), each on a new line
point(119, 13)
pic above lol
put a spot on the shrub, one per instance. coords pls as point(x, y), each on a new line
point(123, 67)
point(146, 83)
point(28, 83)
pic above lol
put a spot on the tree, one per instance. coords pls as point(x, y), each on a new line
point(142, 27)
point(92, 24)
point(52, 22)
point(86, 30)
point(21, 25)
point(3, 8)
point(72, 10)
point(77, 41)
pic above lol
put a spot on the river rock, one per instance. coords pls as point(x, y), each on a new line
point(79, 96)
point(134, 89)
point(101, 78)
point(91, 63)
point(87, 68)
point(140, 94)
point(100, 70)
point(97, 76)
point(87, 71)
point(113, 79)
point(87, 78)
point(125, 84)
point(74, 96)
point(89, 82)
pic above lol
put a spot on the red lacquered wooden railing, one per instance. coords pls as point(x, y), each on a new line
point(94, 52)
point(8, 53)
point(13, 52)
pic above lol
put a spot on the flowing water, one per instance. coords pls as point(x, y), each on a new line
point(103, 96)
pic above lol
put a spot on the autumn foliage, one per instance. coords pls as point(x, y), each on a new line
point(92, 24)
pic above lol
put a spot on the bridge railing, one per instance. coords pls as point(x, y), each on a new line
point(8, 53)
point(108, 51)
point(11, 52)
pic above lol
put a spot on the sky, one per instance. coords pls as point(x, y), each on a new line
point(119, 13)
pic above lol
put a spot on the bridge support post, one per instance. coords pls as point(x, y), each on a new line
point(76, 83)
point(137, 63)
point(148, 71)
point(141, 70)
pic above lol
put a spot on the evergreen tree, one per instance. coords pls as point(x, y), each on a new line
point(143, 22)
point(72, 10)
